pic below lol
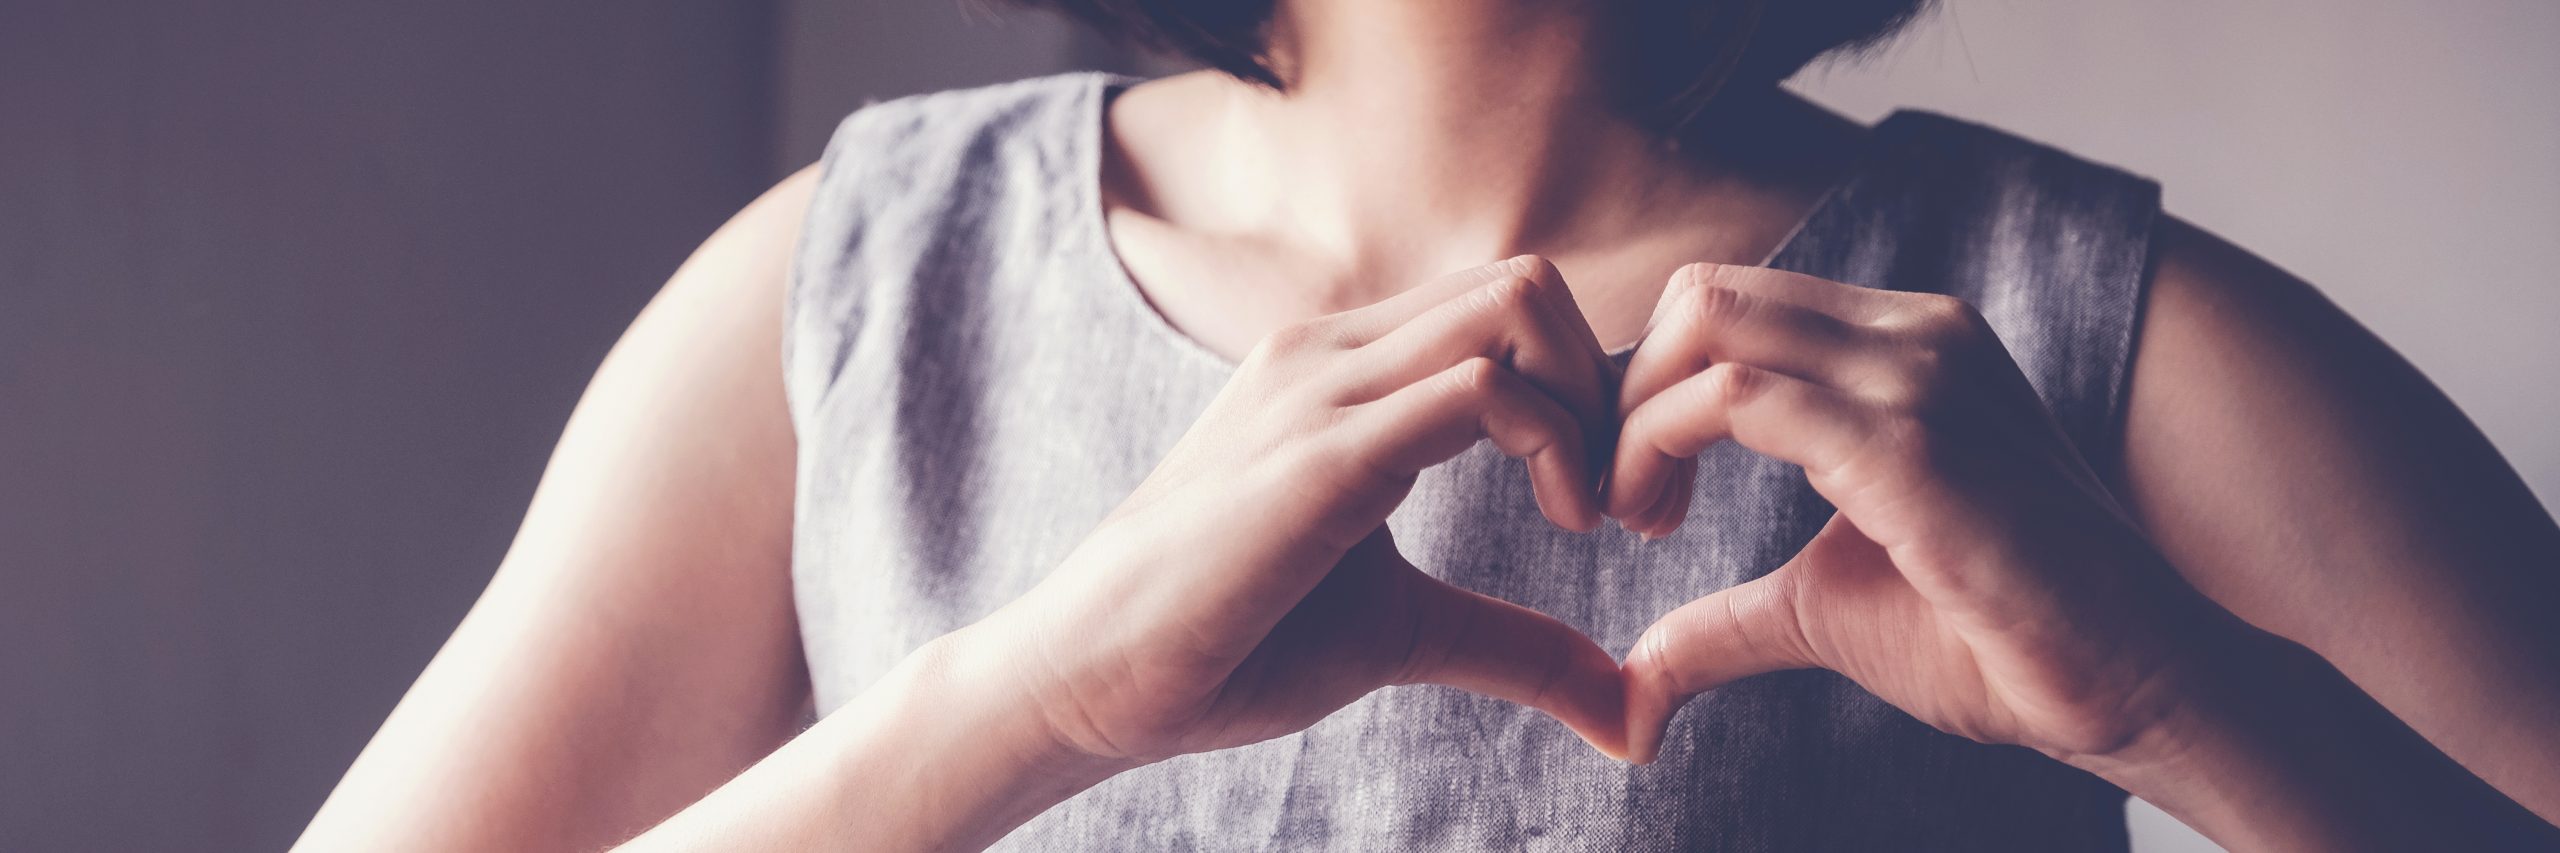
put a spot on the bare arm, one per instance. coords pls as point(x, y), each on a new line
point(2305, 477)
point(637, 647)
point(1979, 576)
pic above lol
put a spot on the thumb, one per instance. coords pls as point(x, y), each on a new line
point(1499, 649)
point(1745, 630)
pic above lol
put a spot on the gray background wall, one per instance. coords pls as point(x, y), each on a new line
point(295, 295)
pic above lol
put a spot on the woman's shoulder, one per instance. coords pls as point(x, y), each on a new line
point(1925, 138)
point(2006, 199)
point(955, 165)
point(2002, 220)
point(1996, 200)
point(926, 207)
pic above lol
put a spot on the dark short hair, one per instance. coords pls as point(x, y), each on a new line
point(1677, 52)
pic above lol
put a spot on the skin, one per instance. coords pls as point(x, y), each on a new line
point(2299, 615)
point(638, 645)
point(1980, 576)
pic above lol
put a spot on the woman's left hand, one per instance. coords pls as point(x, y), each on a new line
point(1978, 575)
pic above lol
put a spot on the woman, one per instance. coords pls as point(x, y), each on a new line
point(1085, 458)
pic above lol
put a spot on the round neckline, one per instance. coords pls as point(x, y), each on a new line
point(1093, 221)
point(1094, 224)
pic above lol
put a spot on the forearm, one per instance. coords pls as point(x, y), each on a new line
point(2277, 751)
point(922, 761)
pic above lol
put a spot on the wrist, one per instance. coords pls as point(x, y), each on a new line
point(942, 734)
point(2255, 749)
point(2193, 701)
point(968, 691)
point(2207, 756)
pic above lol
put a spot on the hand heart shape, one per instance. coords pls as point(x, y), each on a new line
point(1977, 574)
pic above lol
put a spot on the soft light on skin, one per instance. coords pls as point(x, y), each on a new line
point(658, 552)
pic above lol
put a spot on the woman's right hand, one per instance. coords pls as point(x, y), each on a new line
point(1248, 587)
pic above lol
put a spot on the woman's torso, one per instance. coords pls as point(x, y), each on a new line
point(975, 383)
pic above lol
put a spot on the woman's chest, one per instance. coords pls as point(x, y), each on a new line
point(920, 518)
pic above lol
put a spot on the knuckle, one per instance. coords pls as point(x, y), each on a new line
point(1263, 352)
point(1278, 345)
point(1732, 384)
point(1523, 302)
point(1891, 391)
point(1747, 280)
point(1919, 376)
point(1939, 306)
point(1534, 267)
point(1476, 378)
point(1295, 342)
point(1714, 304)
point(1909, 397)
point(1941, 320)
point(1512, 296)
point(1699, 274)
point(1300, 336)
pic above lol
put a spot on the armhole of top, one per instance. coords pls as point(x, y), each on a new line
point(2119, 397)
point(2104, 310)
point(882, 170)
point(2135, 208)
point(813, 324)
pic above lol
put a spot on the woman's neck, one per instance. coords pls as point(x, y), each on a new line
point(1431, 134)
point(1434, 134)
point(1422, 136)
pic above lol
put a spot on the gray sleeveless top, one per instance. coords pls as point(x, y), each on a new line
point(976, 382)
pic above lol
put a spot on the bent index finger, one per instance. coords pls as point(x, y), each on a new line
point(1371, 322)
point(1528, 324)
point(1775, 320)
point(1427, 422)
point(1773, 414)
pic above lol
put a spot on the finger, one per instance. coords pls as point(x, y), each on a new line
point(1671, 506)
point(1527, 323)
point(1495, 648)
point(1848, 302)
point(1711, 313)
point(1748, 629)
point(1359, 326)
point(1677, 493)
point(1430, 421)
point(1774, 414)
point(1371, 322)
